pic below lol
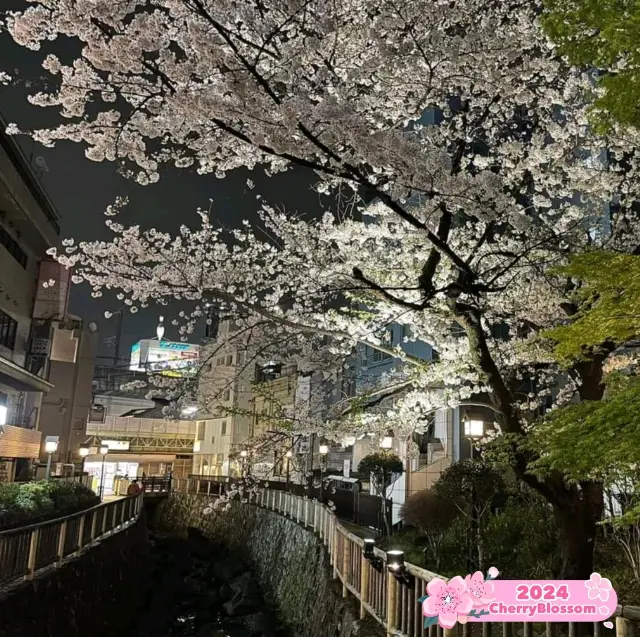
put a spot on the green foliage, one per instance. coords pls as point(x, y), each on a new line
point(470, 481)
point(31, 502)
point(429, 512)
point(602, 34)
point(609, 301)
point(383, 464)
point(522, 540)
point(593, 440)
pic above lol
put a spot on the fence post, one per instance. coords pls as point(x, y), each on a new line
point(364, 584)
point(104, 520)
point(624, 628)
point(81, 533)
point(209, 487)
point(61, 540)
point(114, 516)
point(33, 553)
point(345, 564)
point(392, 596)
point(299, 502)
point(93, 526)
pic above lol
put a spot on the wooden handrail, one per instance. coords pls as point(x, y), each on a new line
point(26, 550)
point(59, 520)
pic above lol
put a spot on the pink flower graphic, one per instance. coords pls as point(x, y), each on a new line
point(599, 587)
point(481, 592)
point(447, 600)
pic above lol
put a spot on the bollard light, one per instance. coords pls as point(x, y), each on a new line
point(368, 547)
point(395, 560)
point(369, 554)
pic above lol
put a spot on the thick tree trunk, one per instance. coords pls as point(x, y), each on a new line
point(577, 520)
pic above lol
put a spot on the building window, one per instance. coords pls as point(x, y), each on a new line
point(8, 329)
point(230, 360)
point(213, 440)
point(13, 248)
point(386, 339)
point(224, 428)
point(226, 395)
point(201, 426)
point(219, 458)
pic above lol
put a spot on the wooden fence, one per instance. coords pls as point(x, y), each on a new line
point(392, 601)
point(28, 549)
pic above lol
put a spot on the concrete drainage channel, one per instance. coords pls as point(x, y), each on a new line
point(201, 589)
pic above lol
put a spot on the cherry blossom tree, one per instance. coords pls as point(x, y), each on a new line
point(454, 119)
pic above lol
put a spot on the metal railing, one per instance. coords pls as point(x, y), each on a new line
point(393, 603)
point(26, 550)
point(357, 507)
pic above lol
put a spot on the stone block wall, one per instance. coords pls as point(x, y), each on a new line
point(290, 562)
point(95, 595)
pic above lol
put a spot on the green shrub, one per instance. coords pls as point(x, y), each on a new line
point(522, 540)
point(31, 502)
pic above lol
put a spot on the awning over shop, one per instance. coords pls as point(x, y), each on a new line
point(19, 378)
point(18, 442)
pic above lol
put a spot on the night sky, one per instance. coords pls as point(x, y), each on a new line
point(81, 189)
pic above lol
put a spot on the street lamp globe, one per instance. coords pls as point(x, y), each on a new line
point(473, 428)
point(243, 453)
point(104, 450)
point(289, 453)
point(386, 442)
point(160, 329)
point(83, 452)
point(324, 450)
point(51, 446)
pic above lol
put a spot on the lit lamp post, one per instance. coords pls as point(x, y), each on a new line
point(243, 456)
point(324, 452)
point(288, 455)
point(50, 446)
point(83, 452)
point(104, 450)
point(473, 431)
point(386, 442)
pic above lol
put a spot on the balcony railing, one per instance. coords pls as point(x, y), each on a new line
point(29, 549)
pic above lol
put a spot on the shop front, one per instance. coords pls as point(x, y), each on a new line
point(127, 466)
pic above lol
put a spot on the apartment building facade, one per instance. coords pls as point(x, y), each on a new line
point(224, 404)
point(28, 228)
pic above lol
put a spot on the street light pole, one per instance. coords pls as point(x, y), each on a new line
point(50, 446)
point(104, 450)
point(324, 451)
point(473, 430)
point(84, 452)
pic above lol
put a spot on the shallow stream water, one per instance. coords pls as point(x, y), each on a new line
point(200, 590)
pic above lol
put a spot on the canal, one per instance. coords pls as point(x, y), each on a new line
point(199, 589)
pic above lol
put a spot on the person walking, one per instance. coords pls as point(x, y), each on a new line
point(134, 488)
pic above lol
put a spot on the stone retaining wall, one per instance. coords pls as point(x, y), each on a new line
point(290, 562)
point(94, 595)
